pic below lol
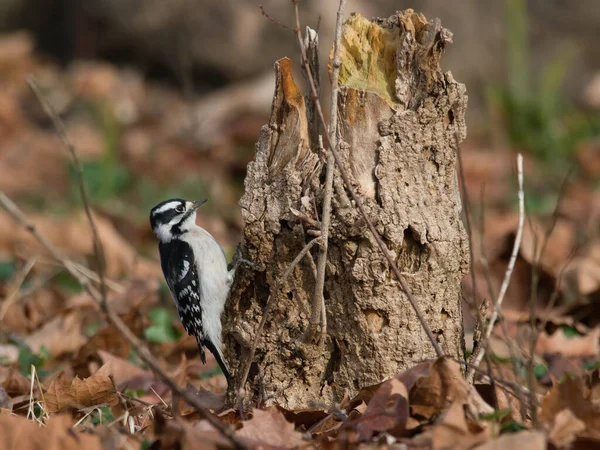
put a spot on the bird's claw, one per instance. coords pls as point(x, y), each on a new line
point(240, 260)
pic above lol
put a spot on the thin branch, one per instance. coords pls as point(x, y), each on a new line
point(477, 305)
point(100, 296)
point(62, 134)
point(269, 306)
point(358, 202)
point(116, 321)
point(509, 269)
point(318, 297)
point(14, 296)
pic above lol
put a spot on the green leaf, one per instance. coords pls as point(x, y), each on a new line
point(27, 359)
point(511, 426)
point(162, 329)
point(135, 393)
point(496, 415)
point(540, 370)
point(591, 364)
point(67, 282)
point(570, 332)
point(104, 415)
point(7, 270)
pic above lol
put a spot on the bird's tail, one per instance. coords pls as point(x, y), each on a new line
point(218, 356)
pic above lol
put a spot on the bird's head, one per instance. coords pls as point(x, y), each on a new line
point(174, 217)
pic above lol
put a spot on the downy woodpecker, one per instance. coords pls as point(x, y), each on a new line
point(195, 268)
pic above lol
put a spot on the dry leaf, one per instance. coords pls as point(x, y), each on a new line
point(96, 390)
point(19, 433)
point(61, 335)
point(567, 346)
point(455, 432)
point(570, 394)
point(523, 440)
point(443, 386)
point(121, 369)
point(387, 411)
point(566, 427)
point(14, 383)
point(270, 427)
point(557, 249)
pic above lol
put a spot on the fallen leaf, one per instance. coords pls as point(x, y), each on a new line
point(523, 440)
point(15, 384)
point(570, 394)
point(61, 335)
point(95, 390)
point(559, 245)
point(19, 433)
point(387, 411)
point(565, 429)
point(455, 432)
point(442, 387)
point(569, 346)
point(269, 427)
point(121, 369)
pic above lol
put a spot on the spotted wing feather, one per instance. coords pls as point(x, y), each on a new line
point(179, 267)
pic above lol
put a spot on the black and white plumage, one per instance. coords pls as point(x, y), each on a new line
point(195, 268)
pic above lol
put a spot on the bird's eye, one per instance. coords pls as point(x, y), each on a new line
point(180, 209)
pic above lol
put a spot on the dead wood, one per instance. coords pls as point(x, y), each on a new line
point(398, 117)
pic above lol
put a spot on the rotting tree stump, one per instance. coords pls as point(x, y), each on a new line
point(399, 120)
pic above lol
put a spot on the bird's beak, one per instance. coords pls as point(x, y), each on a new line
point(198, 203)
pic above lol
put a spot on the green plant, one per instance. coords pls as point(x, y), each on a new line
point(162, 329)
point(106, 177)
point(537, 116)
point(27, 359)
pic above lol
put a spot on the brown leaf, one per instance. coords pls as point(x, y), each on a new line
point(523, 440)
point(73, 236)
point(443, 386)
point(557, 249)
point(95, 390)
point(565, 429)
point(584, 272)
point(14, 383)
point(18, 433)
point(567, 346)
point(387, 411)
point(121, 369)
point(305, 418)
point(456, 432)
point(61, 335)
point(570, 394)
point(270, 427)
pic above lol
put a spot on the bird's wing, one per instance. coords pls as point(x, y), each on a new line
point(179, 267)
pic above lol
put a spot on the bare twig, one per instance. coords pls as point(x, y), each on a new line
point(100, 296)
point(273, 20)
point(477, 306)
point(509, 269)
point(358, 202)
point(13, 296)
point(269, 306)
point(535, 277)
point(318, 297)
point(64, 137)
point(116, 321)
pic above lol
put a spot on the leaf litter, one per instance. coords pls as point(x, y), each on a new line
point(90, 376)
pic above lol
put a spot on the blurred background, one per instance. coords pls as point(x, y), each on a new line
point(166, 99)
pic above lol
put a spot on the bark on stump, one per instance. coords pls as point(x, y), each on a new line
point(399, 117)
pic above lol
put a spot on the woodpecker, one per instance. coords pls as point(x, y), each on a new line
point(196, 271)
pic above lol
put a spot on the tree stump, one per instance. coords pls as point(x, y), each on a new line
point(400, 119)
